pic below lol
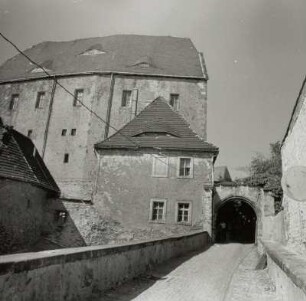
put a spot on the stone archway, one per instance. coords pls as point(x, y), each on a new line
point(262, 204)
point(235, 221)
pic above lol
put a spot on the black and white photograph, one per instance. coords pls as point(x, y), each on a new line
point(152, 150)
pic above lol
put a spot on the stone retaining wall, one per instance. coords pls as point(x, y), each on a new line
point(287, 270)
point(81, 273)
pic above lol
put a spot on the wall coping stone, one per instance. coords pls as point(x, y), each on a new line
point(293, 264)
point(20, 262)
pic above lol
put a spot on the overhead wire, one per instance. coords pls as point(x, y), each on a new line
point(84, 105)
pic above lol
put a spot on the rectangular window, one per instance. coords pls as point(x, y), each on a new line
point(40, 100)
point(73, 132)
point(160, 166)
point(14, 101)
point(64, 132)
point(30, 133)
point(185, 168)
point(183, 212)
point(78, 97)
point(66, 158)
point(60, 217)
point(158, 210)
point(126, 98)
point(174, 101)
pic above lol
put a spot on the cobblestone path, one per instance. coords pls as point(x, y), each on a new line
point(209, 276)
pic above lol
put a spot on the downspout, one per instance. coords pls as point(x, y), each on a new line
point(109, 106)
point(49, 117)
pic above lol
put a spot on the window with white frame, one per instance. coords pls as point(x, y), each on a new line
point(158, 210)
point(183, 212)
point(185, 169)
point(160, 166)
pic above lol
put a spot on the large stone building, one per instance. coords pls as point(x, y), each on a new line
point(115, 77)
point(294, 170)
point(156, 174)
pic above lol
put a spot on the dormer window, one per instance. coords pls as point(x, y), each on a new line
point(154, 134)
point(143, 62)
point(46, 66)
point(93, 50)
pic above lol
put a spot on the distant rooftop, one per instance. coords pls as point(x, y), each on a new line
point(221, 174)
point(159, 127)
point(132, 54)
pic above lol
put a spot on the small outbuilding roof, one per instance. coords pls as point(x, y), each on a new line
point(19, 160)
point(221, 174)
point(158, 126)
point(127, 54)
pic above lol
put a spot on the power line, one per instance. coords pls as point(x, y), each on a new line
point(85, 106)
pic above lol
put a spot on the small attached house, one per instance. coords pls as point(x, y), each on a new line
point(26, 186)
point(156, 174)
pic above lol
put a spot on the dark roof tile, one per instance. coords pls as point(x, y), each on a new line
point(159, 118)
point(19, 160)
point(165, 56)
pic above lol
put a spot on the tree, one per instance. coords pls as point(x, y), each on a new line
point(266, 172)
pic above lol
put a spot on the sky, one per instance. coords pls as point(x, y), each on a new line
point(255, 52)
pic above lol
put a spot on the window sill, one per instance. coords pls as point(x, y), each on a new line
point(155, 176)
point(184, 223)
point(157, 222)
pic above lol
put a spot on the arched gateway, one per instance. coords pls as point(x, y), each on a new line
point(235, 221)
point(239, 213)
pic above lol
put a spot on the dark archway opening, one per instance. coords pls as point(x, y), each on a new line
point(235, 222)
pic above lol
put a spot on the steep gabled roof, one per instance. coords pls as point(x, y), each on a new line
point(158, 126)
point(132, 54)
point(19, 160)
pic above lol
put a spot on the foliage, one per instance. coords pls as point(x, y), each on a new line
point(266, 172)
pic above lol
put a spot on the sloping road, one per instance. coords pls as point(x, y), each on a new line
point(203, 277)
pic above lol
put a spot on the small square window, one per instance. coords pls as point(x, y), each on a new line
point(160, 166)
point(73, 132)
point(183, 212)
point(78, 97)
point(174, 101)
point(30, 132)
point(126, 98)
point(158, 210)
point(64, 132)
point(185, 168)
point(66, 158)
point(40, 100)
point(14, 101)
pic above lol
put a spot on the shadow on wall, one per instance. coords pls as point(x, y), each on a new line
point(61, 230)
point(133, 288)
